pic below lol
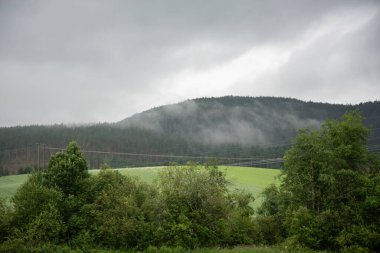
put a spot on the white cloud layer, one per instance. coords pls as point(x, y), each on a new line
point(95, 61)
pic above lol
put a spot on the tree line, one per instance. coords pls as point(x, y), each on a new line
point(328, 199)
point(182, 129)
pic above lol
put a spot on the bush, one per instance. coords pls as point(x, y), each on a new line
point(196, 206)
point(118, 211)
point(46, 227)
point(356, 237)
point(31, 199)
point(25, 170)
point(5, 219)
point(197, 209)
point(14, 246)
point(267, 230)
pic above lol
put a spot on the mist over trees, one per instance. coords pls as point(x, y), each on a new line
point(247, 121)
point(226, 126)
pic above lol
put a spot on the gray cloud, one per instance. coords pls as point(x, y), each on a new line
point(90, 61)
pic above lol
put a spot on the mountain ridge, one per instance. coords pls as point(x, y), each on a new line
point(225, 126)
point(250, 97)
point(241, 120)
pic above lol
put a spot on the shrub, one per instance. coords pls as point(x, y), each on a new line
point(46, 227)
point(267, 230)
point(198, 209)
point(195, 206)
point(117, 213)
point(5, 227)
point(32, 198)
point(16, 245)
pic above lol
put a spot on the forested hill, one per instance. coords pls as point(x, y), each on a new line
point(226, 126)
point(245, 121)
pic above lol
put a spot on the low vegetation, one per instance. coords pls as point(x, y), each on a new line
point(328, 199)
point(252, 180)
point(187, 206)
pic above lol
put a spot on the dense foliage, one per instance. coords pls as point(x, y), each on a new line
point(330, 192)
point(186, 207)
point(328, 199)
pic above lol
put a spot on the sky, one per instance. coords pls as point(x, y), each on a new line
point(92, 61)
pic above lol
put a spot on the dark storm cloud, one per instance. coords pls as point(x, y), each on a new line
point(80, 61)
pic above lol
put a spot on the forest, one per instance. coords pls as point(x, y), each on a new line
point(328, 199)
point(215, 127)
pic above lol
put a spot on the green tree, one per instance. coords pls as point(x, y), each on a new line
point(329, 186)
point(118, 212)
point(67, 170)
point(198, 209)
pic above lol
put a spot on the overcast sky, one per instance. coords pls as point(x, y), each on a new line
point(95, 61)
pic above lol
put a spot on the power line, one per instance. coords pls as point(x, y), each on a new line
point(156, 155)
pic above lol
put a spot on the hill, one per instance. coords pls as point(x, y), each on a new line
point(226, 126)
point(248, 121)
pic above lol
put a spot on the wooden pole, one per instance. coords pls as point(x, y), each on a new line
point(38, 156)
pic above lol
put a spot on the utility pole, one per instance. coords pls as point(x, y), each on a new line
point(43, 156)
point(38, 156)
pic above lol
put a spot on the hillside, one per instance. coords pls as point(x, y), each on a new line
point(226, 126)
point(234, 120)
point(243, 121)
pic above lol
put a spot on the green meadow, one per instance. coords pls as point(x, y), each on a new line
point(9, 184)
point(252, 180)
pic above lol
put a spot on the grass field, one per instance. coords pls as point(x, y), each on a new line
point(253, 180)
point(9, 184)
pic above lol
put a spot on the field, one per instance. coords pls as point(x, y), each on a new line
point(253, 180)
point(9, 184)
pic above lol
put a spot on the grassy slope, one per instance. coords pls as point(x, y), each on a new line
point(253, 180)
point(9, 184)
